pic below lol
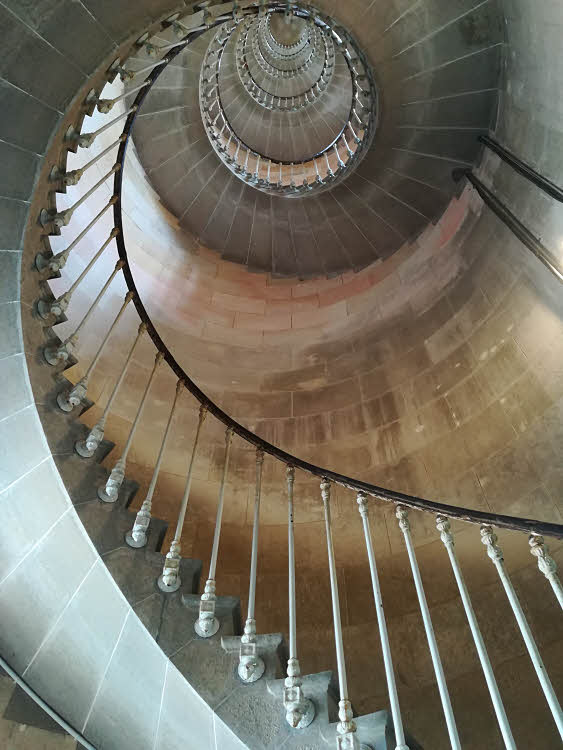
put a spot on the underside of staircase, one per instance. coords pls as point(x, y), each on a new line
point(430, 112)
point(209, 664)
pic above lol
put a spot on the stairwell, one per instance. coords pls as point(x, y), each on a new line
point(57, 543)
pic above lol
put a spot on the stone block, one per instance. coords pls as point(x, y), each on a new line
point(44, 581)
point(10, 329)
point(125, 712)
point(226, 739)
point(19, 169)
point(22, 445)
point(9, 276)
point(26, 54)
point(26, 121)
point(30, 507)
point(16, 392)
point(186, 722)
point(65, 25)
point(79, 647)
point(122, 19)
point(13, 215)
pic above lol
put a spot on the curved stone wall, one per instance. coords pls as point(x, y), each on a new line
point(436, 372)
point(65, 625)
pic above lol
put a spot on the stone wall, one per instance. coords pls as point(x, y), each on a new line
point(64, 623)
point(437, 372)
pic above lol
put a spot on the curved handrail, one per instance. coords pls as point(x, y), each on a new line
point(278, 102)
point(300, 43)
point(398, 498)
point(307, 169)
point(531, 174)
point(268, 68)
point(463, 514)
point(299, 46)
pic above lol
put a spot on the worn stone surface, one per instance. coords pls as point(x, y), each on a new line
point(462, 329)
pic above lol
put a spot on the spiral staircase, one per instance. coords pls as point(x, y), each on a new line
point(307, 151)
point(428, 116)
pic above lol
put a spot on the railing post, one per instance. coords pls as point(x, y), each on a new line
point(299, 710)
point(207, 624)
point(67, 400)
point(346, 738)
point(137, 536)
point(59, 306)
point(55, 354)
point(251, 666)
point(110, 491)
point(56, 262)
point(404, 525)
point(546, 564)
point(170, 579)
point(489, 539)
point(400, 742)
point(62, 218)
point(443, 526)
point(87, 447)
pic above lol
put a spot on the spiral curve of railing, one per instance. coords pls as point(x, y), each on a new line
point(298, 712)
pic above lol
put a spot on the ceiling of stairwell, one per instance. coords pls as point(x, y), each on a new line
point(437, 68)
point(436, 371)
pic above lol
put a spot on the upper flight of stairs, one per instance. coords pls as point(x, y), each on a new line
point(254, 712)
point(432, 106)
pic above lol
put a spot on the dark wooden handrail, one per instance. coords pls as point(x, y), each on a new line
point(398, 498)
point(512, 222)
point(522, 168)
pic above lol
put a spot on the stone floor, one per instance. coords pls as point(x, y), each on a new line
point(17, 736)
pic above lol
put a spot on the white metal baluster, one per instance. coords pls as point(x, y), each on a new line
point(257, 171)
point(105, 105)
point(137, 536)
point(338, 159)
point(318, 178)
point(228, 157)
point(85, 140)
point(170, 579)
point(57, 262)
point(87, 447)
point(346, 738)
point(354, 136)
point(546, 564)
point(55, 354)
point(329, 171)
point(404, 525)
point(489, 539)
point(251, 666)
point(207, 624)
point(62, 218)
point(400, 742)
point(58, 307)
point(128, 75)
point(110, 491)
point(73, 177)
point(67, 400)
point(299, 710)
point(443, 526)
